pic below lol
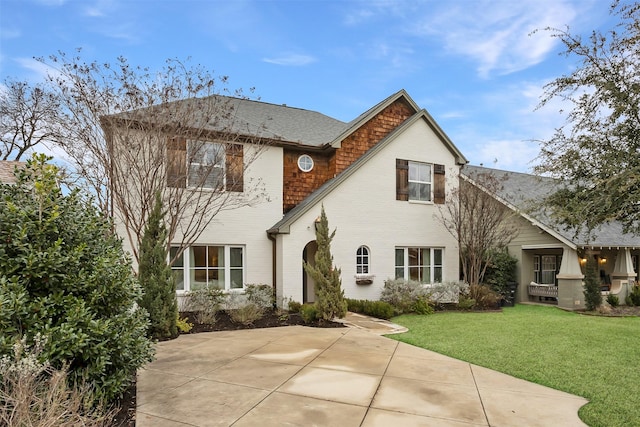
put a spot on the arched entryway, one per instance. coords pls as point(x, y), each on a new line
point(308, 285)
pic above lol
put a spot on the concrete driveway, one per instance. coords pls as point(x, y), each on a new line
point(301, 376)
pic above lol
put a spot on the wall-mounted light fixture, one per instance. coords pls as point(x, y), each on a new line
point(316, 223)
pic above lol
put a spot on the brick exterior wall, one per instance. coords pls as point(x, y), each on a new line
point(298, 185)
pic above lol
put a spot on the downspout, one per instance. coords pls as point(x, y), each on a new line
point(273, 268)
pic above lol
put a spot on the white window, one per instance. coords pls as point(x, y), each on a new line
point(206, 162)
point(420, 181)
point(362, 260)
point(198, 267)
point(420, 264)
point(305, 163)
point(545, 268)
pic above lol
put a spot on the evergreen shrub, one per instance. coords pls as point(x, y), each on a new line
point(64, 275)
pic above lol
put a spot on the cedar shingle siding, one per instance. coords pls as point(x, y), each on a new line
point(298, 185)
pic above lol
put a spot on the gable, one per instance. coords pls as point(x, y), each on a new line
point(420, 143)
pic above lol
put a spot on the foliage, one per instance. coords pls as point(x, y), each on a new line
point(613, 300)
point(634, 296)
point(592, 293)
point(27, 118)
point(294, 307)
point(183, 324)
point(596, 151)
point(501, 271)
point(205, 303)
point(309, 312)
point(156, 279)
point(563, 359)
point(423, 305)
point(64, 274)
point(404, 295)
point(447, 292)
point(378, 309)
point(246, 309)
point(478, 221)
point(116, 120)
point(485, 298)
point(261, 295)
point(330, 301)
point(32, 393)
point(465, 303)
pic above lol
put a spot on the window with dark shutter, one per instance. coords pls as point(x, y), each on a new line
point(177, 162)
point(438, 184)
point(235, 168)
point(402, 179)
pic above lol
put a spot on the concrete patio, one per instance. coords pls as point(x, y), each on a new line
point(301, 376)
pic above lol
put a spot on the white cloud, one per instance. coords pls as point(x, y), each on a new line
point(292, 59)
point(496, 35)
point(37, 71)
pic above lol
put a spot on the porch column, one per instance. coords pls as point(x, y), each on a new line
point(624, 266)
point(623, 273)
point(570, 287)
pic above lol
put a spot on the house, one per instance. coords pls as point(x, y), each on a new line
point(552, 258)
point(7, 168)
point(380, 177)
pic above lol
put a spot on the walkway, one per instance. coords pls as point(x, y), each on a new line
point(301, 376)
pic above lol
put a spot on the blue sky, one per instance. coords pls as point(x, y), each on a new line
point(473, 64)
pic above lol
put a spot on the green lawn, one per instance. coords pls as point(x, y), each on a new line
point(594, 357)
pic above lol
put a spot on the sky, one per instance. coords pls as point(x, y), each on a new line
point(478, 66)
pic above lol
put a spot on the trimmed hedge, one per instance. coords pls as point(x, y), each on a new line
point(379, 309)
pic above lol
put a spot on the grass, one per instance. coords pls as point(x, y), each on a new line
point(594, 357)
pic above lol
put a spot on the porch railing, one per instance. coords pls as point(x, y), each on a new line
point(538, 290)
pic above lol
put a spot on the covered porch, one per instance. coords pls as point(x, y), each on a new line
point(554, 274)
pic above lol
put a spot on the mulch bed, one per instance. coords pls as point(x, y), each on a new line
point(125, 416)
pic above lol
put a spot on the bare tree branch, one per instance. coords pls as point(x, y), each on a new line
point(133, 133)
point(28, 118)
point(479, 222)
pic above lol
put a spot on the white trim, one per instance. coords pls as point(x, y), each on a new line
point(544, 246)
point(226, 268)
point(306, 159)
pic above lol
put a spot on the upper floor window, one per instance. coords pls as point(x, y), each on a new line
point(423, 265)
point(362, 260)
point(419, 181)
point(199, 267)
point(202, 164)
point(206, 162)
point(305, 163)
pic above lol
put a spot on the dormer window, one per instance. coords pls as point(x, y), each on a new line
point(305, 163)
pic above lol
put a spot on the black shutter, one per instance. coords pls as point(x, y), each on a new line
point(402, 179)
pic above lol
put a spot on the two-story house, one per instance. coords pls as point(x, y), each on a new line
point(381, 178)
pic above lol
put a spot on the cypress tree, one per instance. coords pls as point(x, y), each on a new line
point(155, 277)
point(330, 301)
point(592, 295)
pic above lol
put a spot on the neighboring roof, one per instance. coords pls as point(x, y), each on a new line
point(525, 193)
point(6, 170)
point(282, 226)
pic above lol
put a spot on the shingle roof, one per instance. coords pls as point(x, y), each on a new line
point(525, 193)
point(6, 170)
point(253, 118)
